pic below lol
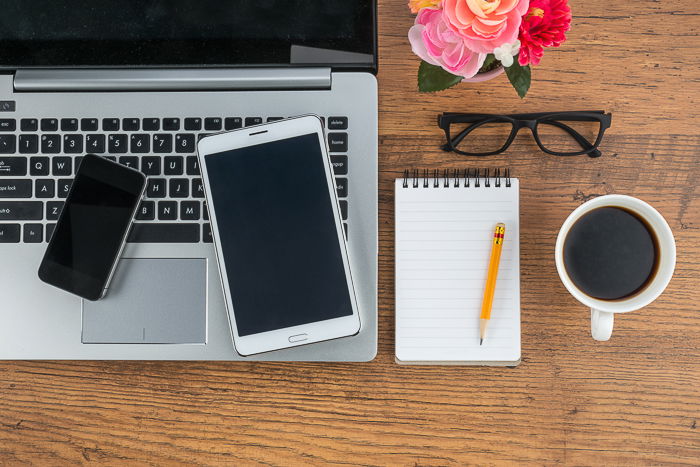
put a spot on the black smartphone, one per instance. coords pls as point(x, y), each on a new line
point(92, 228)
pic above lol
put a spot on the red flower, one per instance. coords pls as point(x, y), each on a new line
point(544, 25)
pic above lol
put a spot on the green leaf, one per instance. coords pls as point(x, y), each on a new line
point(490, 63)
point(519, 77)
point(432, 78)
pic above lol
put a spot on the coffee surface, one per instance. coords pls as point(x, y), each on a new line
point(610, 253)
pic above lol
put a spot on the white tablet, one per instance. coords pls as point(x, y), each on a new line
point(278, 234)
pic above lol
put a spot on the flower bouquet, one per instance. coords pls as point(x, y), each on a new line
point(474, 40)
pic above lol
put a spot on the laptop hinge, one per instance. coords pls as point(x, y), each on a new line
point(218, 79)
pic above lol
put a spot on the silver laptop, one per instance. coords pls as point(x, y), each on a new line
point(140, 82)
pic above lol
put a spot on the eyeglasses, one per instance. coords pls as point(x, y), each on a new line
point(556, 133)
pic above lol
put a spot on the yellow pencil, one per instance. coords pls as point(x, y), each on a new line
point(490, 288)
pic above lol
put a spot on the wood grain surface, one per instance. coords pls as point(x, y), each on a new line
point(634, 400)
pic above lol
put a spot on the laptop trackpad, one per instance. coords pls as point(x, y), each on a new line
point(152, 301)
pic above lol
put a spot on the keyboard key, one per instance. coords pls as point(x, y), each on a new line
point(193, 124)
point(231, 123)
point(28, 144)
point(21, 210)
point(89, 124)
point(9, 233)
point(78, 160)
point(151, 124)
point(29, 124)
point(33, 233)
point(189, 210)
point(140, 143)
point(15, 188)
point(156, 188)
point(13, 166)
point(338, 142)
point(8, 124)
point(131, 124)
point(39, 166)
point(45, 188)
point(192, 165)
point(53, 210)
point(146, 211)
point(173, 165)
point(337, 123)
point(117, 144)
point(49, 231)
point(340, 165)
point(205, 211)
point(7, 144)
point(184, 142)
point(212, 124)
point(274, 119)
point(167, 210)
point(206, 233)
point(69, 124)
point(50, 144)
point(62, 166)
point(130, 161)
point(64, 185)
point(73, 144)
point(179, 188)
point(110, 124)
point(197, 188)
point(171, 124)
point(49, 124)
point(344, 209)
point(163, 233)
point(150, 165)
point(162, 143)
point(341, 185)
point(253, 121)
point(95, 144)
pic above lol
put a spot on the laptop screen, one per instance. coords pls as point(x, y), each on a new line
point(179, 33)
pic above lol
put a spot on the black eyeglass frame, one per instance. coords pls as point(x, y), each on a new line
point(526, 120)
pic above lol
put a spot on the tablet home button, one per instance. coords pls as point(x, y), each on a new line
point(298, 338)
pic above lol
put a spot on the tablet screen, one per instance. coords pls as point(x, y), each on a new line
point(278, 235)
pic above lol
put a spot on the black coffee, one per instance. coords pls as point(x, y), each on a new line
point(610, 253)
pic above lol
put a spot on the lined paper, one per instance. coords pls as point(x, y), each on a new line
point(443, 245)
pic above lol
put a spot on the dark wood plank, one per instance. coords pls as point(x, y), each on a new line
point(631, 401)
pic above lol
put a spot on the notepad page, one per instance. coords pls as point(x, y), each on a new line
point(443, 245)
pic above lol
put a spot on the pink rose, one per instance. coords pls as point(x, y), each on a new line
point(486, 24)
point(433, 41)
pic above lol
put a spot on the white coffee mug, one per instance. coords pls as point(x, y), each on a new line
point(603, 311)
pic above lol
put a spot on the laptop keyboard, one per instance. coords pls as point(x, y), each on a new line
point(39, 157)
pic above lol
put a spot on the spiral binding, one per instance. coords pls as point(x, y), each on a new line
point(456, 178)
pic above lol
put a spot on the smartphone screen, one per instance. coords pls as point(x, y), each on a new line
point(92, 227)
point(278, 235)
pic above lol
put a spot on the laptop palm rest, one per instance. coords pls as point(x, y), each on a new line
point(150, 301)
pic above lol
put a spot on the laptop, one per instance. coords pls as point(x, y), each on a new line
point(140, 83)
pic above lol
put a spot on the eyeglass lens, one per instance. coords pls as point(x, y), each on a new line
point(559, 134)
point(480, 137)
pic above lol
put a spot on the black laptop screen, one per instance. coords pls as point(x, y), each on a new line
point(104, 33)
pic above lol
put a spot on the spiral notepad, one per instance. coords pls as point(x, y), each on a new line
point(444, 232)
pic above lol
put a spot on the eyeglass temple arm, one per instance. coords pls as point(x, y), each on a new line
point(457, 139)
point(583, 142)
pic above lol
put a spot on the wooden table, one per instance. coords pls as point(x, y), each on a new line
point(632, 400)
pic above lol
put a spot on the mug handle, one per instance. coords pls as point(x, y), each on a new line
point(601, 324)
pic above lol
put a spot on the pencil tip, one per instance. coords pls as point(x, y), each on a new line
point(481, 341)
